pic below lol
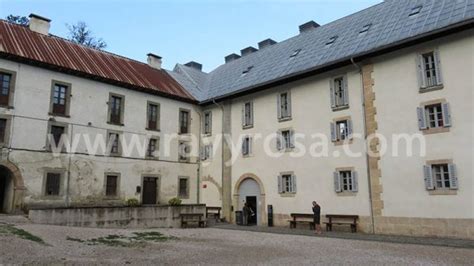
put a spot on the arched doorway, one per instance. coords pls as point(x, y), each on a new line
point(250, 189)
point(6, 190)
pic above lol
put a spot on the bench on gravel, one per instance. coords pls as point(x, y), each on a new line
point(214, 212)
point(302, 218)
point(192, 218)
point(341, 219)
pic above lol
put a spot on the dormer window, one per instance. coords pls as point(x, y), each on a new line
point(295, 53)
point(331, 40)
point(416, 10)
point(247, 70)
point(365, 29)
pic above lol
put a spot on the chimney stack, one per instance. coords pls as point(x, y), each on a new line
point(154, 61)
point(265, 43)
point(231, 58)
point(39, 24)
point(310, 25)
point(248, 50)
point(194, 65)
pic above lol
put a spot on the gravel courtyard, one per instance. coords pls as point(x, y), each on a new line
point(33, 244)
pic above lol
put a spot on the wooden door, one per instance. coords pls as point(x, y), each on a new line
point(150, 191)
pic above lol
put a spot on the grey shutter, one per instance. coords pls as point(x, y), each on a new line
point(244, 146)
point(333, 132)
point(439, 76)
point(279, 105)
point(158, 116)
point(421, 118)
point(337, 182)
point(288, 98)
point(292, 138)
point(210, 123)
point(251, 113)
point(250, 145)
point(421, 72)
point(345, 90)
point(280, 185)
point(355, 184)
point(453, 178)
point(243, 115)
point(202, 153)
point(332, 93)
point(446, 115)
point(428, 174)
point(293, 189)
point(210, 149)
point(349, 128)
point(279, 142)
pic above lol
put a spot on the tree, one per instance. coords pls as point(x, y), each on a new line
point(81, 34)
point(20, 20)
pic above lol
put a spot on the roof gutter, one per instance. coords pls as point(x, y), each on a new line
point(451, 29)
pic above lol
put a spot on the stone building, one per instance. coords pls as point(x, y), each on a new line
point(281, 125)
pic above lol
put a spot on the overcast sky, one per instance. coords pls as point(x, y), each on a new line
point(183, 30)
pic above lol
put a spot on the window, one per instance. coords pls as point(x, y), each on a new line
point(3, 130)
point(153, 116)
point(152, 148)
point(434, 116)
point(184, 122)
point(247, 70)
point(366, 28)
point(440, 176)
point(429, 70)
point(111, 185)
point(345, 180)
point(55, 141)
point(332, 40)
point(415, 10)
point(183, 187)
point(341, 130)
point(53, 184)
point(114, 143)
point(5, 89)
point(184, 151)
point(246, 146)
point(60, 99)
point(286, 183)
point(206, 152)
point(116, 109)
point(247, 115)
point(208, 123)
point(284, 106)
point(339, 93)
point(285, 140)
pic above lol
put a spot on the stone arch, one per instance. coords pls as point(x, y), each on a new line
point(15, 204)
point(262, 218)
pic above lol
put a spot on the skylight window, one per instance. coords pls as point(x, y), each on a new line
point(366, 28)
point(331, 40)
point(415, 10)
point(295, 53)
point(247, 70)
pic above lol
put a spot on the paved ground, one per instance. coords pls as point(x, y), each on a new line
point(24, 243)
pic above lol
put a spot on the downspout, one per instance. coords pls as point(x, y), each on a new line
point(199, 160)
point(366, 154)
point(222, 150)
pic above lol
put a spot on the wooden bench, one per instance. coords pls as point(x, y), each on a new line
point(213, 212)
point(302, 218)
point(188, 218)
point(342, 219)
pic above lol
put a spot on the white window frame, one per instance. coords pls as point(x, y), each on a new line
point(447, 173)
point(285, 143)
point(429, 72)
point(341, 135)
point(341, 177)
point(206, 152)
point(184, 151)
point(247, 115)
point(207, 127)
point(247, 146)
point(284, 108)
point(287, 183)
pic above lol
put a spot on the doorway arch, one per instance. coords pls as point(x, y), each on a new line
point(249, 185)
point(11, 188)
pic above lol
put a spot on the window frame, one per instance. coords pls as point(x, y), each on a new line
point(52, 124)
point(247, 146)
point(288, 115)
point(109, 151)
point(148, 116)
point(431, 185)
point(423, 83)
point(157, 148)
point(424, 123)
point(284, 189)
point(247, 123)
point(67, 98)
point(186, 144)
point(339, 97)
point(59, 171)
point(117, 185)
point(336, 132)
point(207, 125)
point(188, 124)
point(6, 136)
point(186, 195)
point(122, 109)
point(11, 89)
point(353, 188)
point(207, 152)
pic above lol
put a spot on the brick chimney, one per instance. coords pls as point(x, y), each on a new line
point(154, 61)
point(39, 24)
point(265, 43)
point(310, 25)
point(248, 50)
point(231, 57)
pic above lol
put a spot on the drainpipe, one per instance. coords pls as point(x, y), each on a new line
point(366, 154)
point(222, 152)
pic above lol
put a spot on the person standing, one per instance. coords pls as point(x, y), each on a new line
point(245, 214)
point(317, 217)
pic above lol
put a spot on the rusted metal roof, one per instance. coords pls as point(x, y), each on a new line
point(19, 43)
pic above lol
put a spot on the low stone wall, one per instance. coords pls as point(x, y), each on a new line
point(116, 217)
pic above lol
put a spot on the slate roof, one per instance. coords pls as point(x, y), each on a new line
point(21, 44)
point(390, 22)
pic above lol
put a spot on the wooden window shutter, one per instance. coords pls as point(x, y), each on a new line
point(349, 128)
point(439, 78)
point(292, 138)
point(250, 145)
point(446, 115)
point(332, 93)
point(293, 183)
point(251, 113)
point(355, 184)
point(243, 115)
point(337, 182)
point(288, 104)
point(453, 178)
point(346, 90)
point(421, 72)
point(421, 118)
point(203, 153)
point(428, 176)
point(333, 132)
point(279, 141)
point(210, 123)
point(280, 185)
point(279, 106)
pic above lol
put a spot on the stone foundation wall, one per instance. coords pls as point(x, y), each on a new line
point(116, 217)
